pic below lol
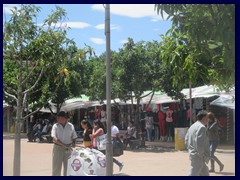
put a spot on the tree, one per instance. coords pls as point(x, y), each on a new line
point(181, 64)
point(95, 83)
point(30, 53)
point(135, 74)
point(211, 29)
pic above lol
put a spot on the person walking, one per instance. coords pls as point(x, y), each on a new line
point(197, 143)
point(212, 131)
point(98, 130)
point(64, 137)
point(115, 135)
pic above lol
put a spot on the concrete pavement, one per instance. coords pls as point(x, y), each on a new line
point(157, 159)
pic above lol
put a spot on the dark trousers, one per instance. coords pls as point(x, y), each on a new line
point(116, 162)
point(213, 147)
point(128, 141)
point(169, 129)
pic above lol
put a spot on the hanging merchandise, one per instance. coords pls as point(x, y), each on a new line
point(198, 103)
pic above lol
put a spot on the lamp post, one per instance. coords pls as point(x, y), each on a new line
point(109, 152)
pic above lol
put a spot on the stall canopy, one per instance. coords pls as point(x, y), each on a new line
point(225, 101)
point(158, 98)
point(201, 91)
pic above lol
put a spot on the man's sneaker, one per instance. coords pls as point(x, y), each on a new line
point(120, 167)
point(221, 167)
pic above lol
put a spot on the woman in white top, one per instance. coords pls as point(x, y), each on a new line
point(98, 130)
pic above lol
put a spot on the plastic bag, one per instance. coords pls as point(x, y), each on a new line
point(102, 142)
point(117, 147)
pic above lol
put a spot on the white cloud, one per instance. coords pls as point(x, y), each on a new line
point(102, 26)
point(97, 40)
point(132, 10)
point(77, 25)
point(99, 26)
point(8, 7)
point(123, 41)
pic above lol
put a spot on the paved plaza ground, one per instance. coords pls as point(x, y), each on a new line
point(157, 159)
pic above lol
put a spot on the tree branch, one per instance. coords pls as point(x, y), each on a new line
point(10, 89)
point(10, 95)
point(146, 95)
point(30, 73)
point(39, 77)
point(151, 98)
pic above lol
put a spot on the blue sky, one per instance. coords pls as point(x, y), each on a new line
point(137, 21)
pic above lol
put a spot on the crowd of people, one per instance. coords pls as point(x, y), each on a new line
point(158, 125)
point(64, 137)
point(201, 140)
point(38, 130)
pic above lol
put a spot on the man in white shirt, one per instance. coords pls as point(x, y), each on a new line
point(115, 135)
point(64, 136)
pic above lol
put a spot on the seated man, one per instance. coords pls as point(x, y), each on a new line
point(34, 131)
point(46, 130)
point(130, 134)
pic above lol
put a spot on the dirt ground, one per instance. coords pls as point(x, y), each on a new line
point(158, 159)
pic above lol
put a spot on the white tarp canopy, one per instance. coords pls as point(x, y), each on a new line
point(71, 104)
point(201, 91)
point(47, 110)
point(157, 99)
point(225, 101)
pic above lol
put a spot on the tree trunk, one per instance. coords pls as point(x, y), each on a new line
point(17, 138)
point(137, 118)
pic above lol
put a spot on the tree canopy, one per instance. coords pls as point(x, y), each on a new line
point(210, 29)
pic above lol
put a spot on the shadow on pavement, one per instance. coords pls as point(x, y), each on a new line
point(120, 174)
point(155, 149)
point(225, 173)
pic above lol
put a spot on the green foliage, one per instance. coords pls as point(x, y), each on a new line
point(30, 49)
point(210, 30)
point(96, 78)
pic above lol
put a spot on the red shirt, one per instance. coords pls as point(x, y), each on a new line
point(222, 122)
point(161, 116)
